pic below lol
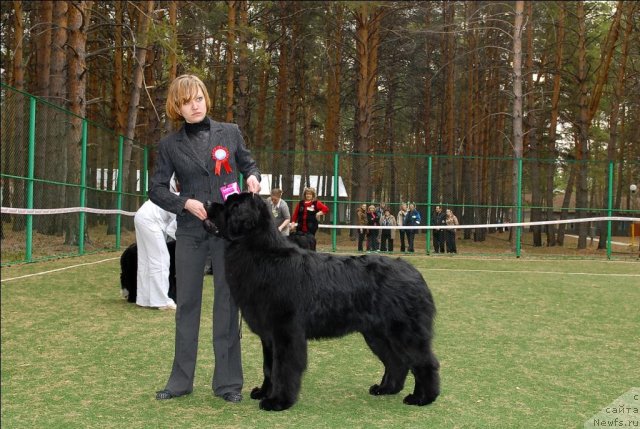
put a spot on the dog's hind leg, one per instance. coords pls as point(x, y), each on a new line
point(395, 371)
point(427, 378)
point(267, 364)
point(289, 362)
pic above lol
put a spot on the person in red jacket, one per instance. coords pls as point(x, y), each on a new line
point(306, 213)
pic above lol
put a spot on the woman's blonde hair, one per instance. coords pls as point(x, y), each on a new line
point(310, 190)
point(182, 90)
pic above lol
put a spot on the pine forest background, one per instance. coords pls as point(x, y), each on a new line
point(556, 83)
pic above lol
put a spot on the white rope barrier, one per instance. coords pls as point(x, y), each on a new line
point(489, 225)
point(20, 211)
point(12, 210)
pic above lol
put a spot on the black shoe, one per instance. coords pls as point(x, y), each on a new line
point(231, 397)
point(161, 395)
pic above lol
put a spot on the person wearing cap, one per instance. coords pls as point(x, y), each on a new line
point(307, 211)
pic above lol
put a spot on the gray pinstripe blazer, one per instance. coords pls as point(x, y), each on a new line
point(196, 176)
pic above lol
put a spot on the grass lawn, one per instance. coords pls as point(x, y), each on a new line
point(523, 343)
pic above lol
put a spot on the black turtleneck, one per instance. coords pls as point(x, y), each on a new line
point(198, 134)
point(193, 129)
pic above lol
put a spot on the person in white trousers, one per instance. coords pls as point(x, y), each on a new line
point(153, 225)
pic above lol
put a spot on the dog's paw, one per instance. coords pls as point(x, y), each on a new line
point(416, 400)
point(258, 393)
point(274, 404)
point(375, 390)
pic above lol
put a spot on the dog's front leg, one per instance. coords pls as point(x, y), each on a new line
point(267, 365)
point(289, 362)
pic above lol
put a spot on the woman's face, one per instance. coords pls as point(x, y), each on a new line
point(194, 110)
point(308, 196)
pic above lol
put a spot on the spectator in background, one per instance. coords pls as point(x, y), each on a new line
point(412, 219)
point(388, 235)
point(305, 215)
point(400, 221)
point(373, 220)
point(439, 218)
point(362, 220)
point(450, 234)
point(280, 211)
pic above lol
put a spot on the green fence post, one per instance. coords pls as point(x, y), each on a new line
point(30, 177)
point(519, 209)
point(145, 171)
point(610, 209)
point(119, 190)
point(429, 171)
point(83, 187)
point(336, 188)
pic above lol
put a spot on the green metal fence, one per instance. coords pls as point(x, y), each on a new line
point(65, 191)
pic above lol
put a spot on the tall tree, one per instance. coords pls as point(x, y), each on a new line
point(145, 16)
point(517, 106)
point(367, 18)
point(231, 41)
point(614, 116)
point(78, 23)
point(42, 42)
point(553, 123)
point(588, 105)
point(56, 151)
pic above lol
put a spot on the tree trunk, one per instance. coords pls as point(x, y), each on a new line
point(259, 140)
point(566, 201)
point(242, 116)
point(173, 52)
point(517, 107)
point(78, 23)
point(19, 148)
point(144, 23)
point(43, 66)
point(582, 146)
point(553, 124)
point(449, 101)
point(280, 114)
point(367, 18)
point(56, 152)
point(334, 42)
point(615, 117)
point(231, 41)
point(532, 133)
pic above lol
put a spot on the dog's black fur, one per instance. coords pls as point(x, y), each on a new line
point(303, 239)
point(288, 295)
point(129, 272)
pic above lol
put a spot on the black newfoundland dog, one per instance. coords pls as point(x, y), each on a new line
point(129, 272)
point(288, 295)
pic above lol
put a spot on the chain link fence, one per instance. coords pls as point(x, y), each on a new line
point(62, 174)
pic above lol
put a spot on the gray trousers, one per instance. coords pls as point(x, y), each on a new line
point(193, 247)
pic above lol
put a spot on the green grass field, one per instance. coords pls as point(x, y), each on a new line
point(523, 343)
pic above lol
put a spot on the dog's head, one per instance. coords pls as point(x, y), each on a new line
point(241, 215)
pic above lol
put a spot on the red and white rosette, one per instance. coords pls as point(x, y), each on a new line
point(220, 155)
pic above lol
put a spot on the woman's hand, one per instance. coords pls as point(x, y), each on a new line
point(253, 185)
point(196, 208)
